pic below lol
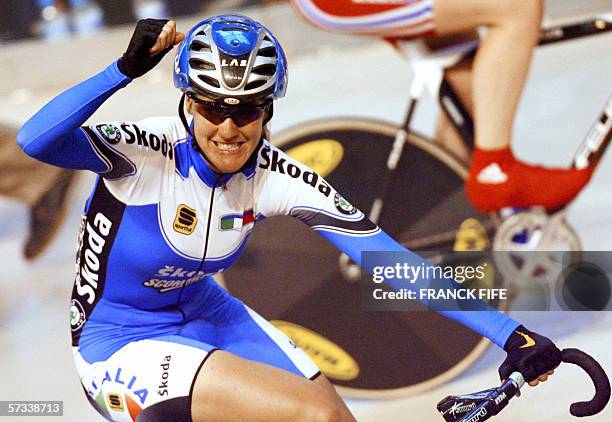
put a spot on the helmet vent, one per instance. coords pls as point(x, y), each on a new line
point(265, 69)
point(235, 28)
point(210, 81)
point(267, 52)
point(197, 45)
point(200, 64)
point(254, 84)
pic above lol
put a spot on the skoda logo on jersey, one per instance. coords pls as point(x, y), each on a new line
point(110, 133)
point(185, 220)
point(77, 315)
point(344, 206)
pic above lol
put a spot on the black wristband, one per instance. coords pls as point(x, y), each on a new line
point(136, 61)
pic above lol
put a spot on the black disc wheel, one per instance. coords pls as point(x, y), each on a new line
point(291, 275)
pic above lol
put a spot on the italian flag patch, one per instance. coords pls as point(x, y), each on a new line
point(236, 221)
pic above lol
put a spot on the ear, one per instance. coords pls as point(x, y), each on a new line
point(189, 104)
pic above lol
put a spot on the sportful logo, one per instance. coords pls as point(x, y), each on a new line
point(185, 220)
point(114, 401)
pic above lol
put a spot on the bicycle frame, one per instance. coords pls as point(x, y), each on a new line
point(432, 75)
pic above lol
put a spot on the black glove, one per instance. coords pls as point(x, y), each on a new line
point(136, 61)
point(530, 354)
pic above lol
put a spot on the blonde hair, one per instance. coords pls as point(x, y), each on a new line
point(265, 133)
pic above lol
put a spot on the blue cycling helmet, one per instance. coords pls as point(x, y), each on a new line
point(231, 59)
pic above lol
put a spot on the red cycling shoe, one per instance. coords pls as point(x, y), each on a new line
point(498, 180)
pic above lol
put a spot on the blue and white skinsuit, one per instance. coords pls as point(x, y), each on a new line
point(145, 311)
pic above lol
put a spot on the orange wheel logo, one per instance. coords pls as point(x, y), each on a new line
point(323, 155)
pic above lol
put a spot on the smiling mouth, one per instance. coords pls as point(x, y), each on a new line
point(228, 147)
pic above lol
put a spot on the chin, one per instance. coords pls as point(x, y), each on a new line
point(229, 167)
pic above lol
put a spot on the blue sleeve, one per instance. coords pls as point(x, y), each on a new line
point(53, 134)
point(487, 321)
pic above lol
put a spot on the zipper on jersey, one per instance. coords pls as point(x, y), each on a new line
point(202, 262)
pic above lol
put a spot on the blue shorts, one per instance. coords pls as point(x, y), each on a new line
point(152, 365)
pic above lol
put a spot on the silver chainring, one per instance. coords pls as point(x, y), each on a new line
point(531, 247)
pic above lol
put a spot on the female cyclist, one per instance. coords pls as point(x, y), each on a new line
point(497, 179)
point(155, 338)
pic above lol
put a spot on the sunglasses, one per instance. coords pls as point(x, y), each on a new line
point(241, 115)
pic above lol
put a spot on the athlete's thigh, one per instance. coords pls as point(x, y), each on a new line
point(146, 380)
point(230, 388)
point(250, 336)
point(452, 16)
point(258, 373)
point(329, 389)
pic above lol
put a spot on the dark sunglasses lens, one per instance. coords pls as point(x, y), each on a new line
point(241, 115)
point(211, 112)
point(246, 115)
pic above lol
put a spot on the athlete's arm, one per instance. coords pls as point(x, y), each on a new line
point(286, 187)
point(53, 134)
point(290, 188)
point(486, 321)
point(531, 354)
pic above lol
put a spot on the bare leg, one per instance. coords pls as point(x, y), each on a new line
point(502, 61)
point(460, 78)
point(229, 388)
point(329, 388)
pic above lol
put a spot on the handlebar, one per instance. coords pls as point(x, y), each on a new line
point(480, 406)
point(599, 378)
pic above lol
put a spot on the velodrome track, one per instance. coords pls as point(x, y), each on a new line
point(567, 87)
